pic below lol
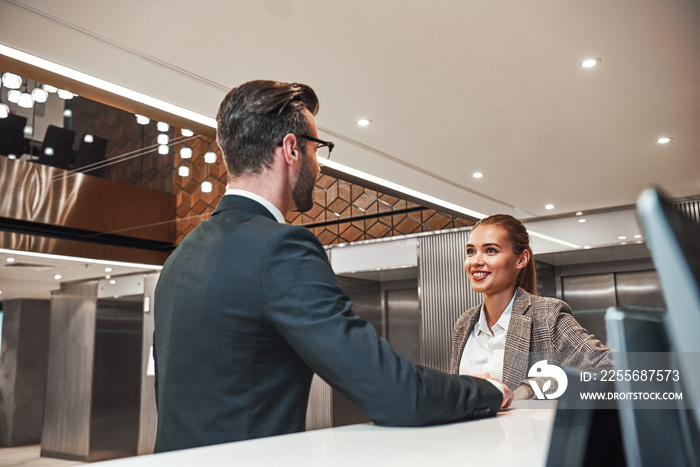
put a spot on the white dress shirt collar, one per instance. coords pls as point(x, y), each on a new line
point(502, 323)
point(255, 197)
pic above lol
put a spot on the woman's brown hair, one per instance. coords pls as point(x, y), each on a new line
point(520, 241)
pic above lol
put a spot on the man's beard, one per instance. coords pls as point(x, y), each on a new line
point(303, 191)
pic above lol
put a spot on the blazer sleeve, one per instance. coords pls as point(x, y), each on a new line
point(577, 347)
point(308, 308)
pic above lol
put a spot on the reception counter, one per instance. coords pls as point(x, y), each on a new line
point(518, 436)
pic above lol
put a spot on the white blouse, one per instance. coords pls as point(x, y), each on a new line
point(485, 347)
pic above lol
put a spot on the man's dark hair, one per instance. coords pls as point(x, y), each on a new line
point(254, 118)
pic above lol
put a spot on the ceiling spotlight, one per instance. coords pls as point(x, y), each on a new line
point(163, 149)
point(664, 140)
point(207, 187)
point(68, 113)
point(63, 94)
point(478, 174)
point(141, 120)
point(163, 127)
point(183, 171)
point(590, 62)
point(58, 277)
point(187, 133)
point(364, 121)
point(162, 138)
point(10, 260)
point(25, 100)
point(210, 157)
point(581, 221)
point(11, 80)
point(637, 236)
point(13, 95)
point(12, 156)
point(622, 237)
point(579, 213)
point(587, 247)
point(49, 88)
point(108, 276)
point(112, 282)
point(48, 151)
point(4, 110)
point(108, 269)
point(549, 207)
point(40, 95)
point(186, 152)
point(88, 138)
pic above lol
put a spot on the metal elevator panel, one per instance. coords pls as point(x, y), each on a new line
point(639, 288)
point(403, 322)
point(116, 382)
point(589, 296)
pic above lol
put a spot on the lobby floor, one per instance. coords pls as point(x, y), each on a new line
point(28, 456)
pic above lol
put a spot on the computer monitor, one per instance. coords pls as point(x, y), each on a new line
point(674, 242)
point(638, 337)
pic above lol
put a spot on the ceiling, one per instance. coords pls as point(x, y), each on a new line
point(451, 87)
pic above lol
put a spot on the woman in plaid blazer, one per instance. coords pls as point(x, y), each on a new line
point(514, 328)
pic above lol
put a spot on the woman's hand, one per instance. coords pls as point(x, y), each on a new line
point(507, 393)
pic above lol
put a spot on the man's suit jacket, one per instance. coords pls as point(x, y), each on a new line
point(540, 328)
point(246, 310)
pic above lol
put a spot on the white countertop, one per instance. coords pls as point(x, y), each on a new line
point(518, 436)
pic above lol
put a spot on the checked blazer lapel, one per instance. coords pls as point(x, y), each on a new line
point(464, 328)
point(517, 348)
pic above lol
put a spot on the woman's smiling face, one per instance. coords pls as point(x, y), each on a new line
point(491, 264)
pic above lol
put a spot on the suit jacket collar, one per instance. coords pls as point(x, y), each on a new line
point(241, 204)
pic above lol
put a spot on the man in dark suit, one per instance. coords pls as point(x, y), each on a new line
point(247, 308)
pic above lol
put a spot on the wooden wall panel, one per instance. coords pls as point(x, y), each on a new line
point(343, 212)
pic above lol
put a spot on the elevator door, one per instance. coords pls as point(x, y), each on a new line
point(116, 385)
point(403, 322)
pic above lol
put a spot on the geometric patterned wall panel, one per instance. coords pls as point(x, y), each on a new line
point(343, 212)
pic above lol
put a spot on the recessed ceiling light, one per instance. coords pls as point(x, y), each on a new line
point(207, 187)
point(88, 139)
point(162, 126)
point(637, 236)
point(549, 207)
point(163, 149)
point(183, 171)
point(108, 276)
point(10, 260)
point(363, 121)
point(664, 140)
point(187, 133)
point(587, 247)
point(162, 138)
point(186, 152)
point(108, 269)
point(210, 157)
point(112, 282)
point(579, 213)
point(622, 237)
point(623, 243)
point(581, 221)
point(590, 62)
point(478, 174)
point(58, 277)
point(141, 120)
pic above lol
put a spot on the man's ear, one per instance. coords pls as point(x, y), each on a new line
point(290, 149)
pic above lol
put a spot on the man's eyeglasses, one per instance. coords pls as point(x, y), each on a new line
point(324, 148)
